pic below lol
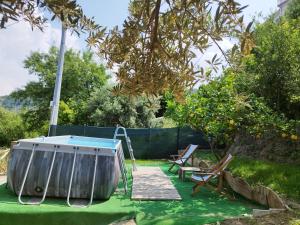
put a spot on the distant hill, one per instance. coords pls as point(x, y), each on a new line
point(10, 103)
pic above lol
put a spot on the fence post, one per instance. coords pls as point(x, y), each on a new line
point(149, 141)
point(52, 130)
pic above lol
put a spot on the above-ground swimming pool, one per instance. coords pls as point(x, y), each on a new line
point(66, 165)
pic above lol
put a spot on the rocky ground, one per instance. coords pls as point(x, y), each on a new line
point(283, 218)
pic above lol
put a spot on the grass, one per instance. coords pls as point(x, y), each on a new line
point(207, 207)
point(282, 178)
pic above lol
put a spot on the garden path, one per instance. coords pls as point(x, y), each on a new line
point(2, 179)
point(151, 183)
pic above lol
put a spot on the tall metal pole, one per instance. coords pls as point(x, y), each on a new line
point(57, 89)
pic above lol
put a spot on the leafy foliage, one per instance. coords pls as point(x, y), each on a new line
point(68, 11)
point(81, 76)
point(157, 48)
point(160, 41)
point(272, 70)
point(11, 127)
point(106, 109)
point(220, 111)
point(293, 9)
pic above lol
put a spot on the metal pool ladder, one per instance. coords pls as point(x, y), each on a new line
point(121, 154)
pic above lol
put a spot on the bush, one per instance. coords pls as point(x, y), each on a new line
point(105, 109)
point(272, 70)
point(11, 127)
point(220, 112)
point(293, 9)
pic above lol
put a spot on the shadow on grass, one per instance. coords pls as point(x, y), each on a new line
point(61, 218)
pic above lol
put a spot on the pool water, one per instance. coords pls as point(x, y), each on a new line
point(92, 143)
point(71, 140)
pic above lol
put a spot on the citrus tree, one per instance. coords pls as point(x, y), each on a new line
point(220, 111)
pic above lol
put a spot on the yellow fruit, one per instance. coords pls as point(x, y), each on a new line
point(294, 137)
point(231, 122)
point(283, 135)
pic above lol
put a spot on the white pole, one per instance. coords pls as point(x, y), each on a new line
point(57, 89)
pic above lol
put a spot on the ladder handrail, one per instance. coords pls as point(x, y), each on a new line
point(26, 174)
point(123, 169)
point(117, 130)
point(128, 142)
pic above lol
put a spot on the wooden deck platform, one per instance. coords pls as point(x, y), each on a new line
point(2, 179)
point(150, 183)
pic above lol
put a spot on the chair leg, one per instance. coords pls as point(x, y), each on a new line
point(171, 167)
point(220, 182)
point(196, 188)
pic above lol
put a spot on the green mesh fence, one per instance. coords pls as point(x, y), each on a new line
point(147, 143)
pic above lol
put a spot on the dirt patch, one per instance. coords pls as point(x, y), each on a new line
point(124, 222)
point(284, 218)
point(269, 147)
point(3, 160)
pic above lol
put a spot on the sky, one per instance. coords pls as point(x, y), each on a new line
point(18, 40)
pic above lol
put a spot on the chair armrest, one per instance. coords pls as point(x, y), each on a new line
point(203, 173)
point(174, 156)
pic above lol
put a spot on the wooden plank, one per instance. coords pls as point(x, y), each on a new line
point(2, 180)
point(150, 183)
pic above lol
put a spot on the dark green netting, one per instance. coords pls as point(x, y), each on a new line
point(147, 143)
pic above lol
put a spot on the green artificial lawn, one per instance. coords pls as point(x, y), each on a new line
point(206, 207)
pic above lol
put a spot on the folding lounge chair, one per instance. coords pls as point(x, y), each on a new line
point(183, 157)
point(202, 178)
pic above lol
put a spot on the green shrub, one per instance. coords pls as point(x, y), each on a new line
point(293, 9)
point(11, 127)
point(220, 112)
point(272, 70)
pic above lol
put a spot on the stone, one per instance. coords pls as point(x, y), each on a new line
point(260, 212)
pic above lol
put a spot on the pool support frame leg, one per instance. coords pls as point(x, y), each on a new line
point(93, 182)
point(26, 175)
